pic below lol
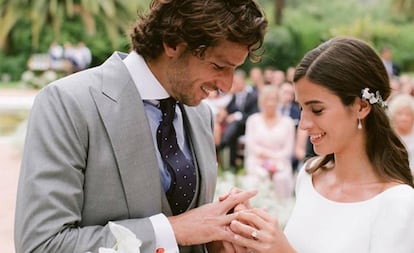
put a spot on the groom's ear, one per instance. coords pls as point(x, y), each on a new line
point(176, 51)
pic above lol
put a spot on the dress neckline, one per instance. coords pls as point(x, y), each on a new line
point(361, 202)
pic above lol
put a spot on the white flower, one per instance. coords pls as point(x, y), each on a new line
point(126, 241)
point(368, 96)
point(373, 98)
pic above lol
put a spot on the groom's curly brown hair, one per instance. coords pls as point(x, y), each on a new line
point(200, 24)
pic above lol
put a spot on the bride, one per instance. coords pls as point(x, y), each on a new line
point(357, 195)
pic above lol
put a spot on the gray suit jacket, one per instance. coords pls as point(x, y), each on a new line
point(89, 158)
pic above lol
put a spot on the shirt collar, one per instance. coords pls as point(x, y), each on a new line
point(147, 84)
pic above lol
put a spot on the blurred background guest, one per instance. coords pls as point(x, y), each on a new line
point(242, 104)
point(256, 79)
point(268, 74)
point(386, 56)
point(395, 87)
point(218, 102)
point(290, 72)
point(278, 77)
point(287, 105)
point(269, 143)
point(401, 113)
point(406, 84)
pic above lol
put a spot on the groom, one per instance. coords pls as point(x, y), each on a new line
point(92, 154)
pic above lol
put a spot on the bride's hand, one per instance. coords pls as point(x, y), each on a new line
point(259, 232)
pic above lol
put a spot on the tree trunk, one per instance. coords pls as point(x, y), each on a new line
point(279, 4)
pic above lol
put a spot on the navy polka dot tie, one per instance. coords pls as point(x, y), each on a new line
point(182, 170)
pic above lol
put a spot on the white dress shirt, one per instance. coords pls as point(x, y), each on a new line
point(151, 91)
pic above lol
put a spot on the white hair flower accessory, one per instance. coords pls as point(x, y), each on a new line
point(373, 98)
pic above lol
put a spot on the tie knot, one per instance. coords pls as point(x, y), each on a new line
point(167, 106)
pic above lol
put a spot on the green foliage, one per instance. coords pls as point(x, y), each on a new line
point(404, 8)
point(11, 65)
point(305, 25)
point(280, 49)
point(29, 27)
point(402, 47)
point(309, 23)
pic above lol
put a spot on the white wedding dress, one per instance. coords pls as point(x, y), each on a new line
point(382, 224)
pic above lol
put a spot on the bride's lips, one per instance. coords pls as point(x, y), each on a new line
point(315, 138)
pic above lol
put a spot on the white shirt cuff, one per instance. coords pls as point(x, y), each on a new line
point(164, 235)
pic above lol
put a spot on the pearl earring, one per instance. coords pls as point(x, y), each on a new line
point(359, 124)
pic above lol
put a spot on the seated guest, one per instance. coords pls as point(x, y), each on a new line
point(287, 105)
point(242, 104)
point(269, 144)
point(401, 113)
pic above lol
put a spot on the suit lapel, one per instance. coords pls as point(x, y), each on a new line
point(123, 115)
point(201, 138)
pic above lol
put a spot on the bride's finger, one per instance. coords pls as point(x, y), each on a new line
point(257, 218)
point(247, 236)
point(251, 232)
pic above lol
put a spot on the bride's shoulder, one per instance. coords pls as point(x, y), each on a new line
point(399, 196)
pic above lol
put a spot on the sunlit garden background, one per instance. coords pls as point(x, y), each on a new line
point(29, 27)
